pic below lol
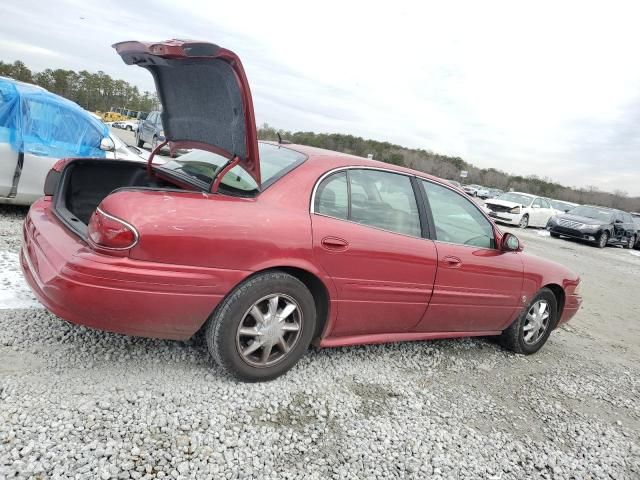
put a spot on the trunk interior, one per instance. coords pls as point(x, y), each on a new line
point(85, 183)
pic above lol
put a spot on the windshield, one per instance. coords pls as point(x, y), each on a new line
point(516, 198)
point(275, 161)
point(601, 215)
point(558, 205)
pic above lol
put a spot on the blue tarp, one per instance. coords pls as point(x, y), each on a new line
point(33, 120)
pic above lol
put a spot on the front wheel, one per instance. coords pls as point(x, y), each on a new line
point(530, 331)
point(263, 327)
point(631, 243)
point(524, 221)
point(603, 239)
point(139, 141)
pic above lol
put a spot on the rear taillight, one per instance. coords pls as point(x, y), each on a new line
point(53, 177)
point(107, 231)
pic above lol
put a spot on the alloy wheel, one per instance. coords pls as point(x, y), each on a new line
point(536, 322)
point(269, 330)
point(602, 241)
point(524, 222)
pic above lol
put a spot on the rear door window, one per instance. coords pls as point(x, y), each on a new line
point(332, 196)
point(384, 200)
point(370, 197)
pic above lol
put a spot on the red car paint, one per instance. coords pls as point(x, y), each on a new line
point(196, 248)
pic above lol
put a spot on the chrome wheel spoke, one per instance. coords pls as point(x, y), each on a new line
point(249, 332)
point(252, 348)
point(273, 306)
point(284, 346)
point(266, 352)
point(257, 314)
point(287, 310)
point(290, 327)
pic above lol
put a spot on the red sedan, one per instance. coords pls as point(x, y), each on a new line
point(270, 247)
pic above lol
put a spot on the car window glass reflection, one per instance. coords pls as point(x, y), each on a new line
point(456, 219)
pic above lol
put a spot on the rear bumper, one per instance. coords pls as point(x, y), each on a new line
point(114, 293)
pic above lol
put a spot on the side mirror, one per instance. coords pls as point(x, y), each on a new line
point(510, 243)
point(107, 145)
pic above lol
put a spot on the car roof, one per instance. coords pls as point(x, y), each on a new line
point(340, 159)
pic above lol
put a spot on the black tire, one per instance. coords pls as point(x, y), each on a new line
point(130, 128)
point(222, 327)
point(631, 243)
point(555, 235)
point(139, 141)
point(524, 221)
point(513, 337)
point(603, 239)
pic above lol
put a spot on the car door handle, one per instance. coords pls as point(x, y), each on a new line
point(451, 261)
point(334, 244)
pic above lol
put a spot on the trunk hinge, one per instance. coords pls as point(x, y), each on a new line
point(222, 172)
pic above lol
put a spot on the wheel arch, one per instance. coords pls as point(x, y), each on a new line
point(560, 295)
point(320, 292)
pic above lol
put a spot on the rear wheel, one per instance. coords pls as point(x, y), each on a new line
point(263, 327)
point(130, 128)
point(524, 221)
point(530, 331)
point(603, 239)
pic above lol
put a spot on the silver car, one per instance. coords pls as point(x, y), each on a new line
point(38, 128)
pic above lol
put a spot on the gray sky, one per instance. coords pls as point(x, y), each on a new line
point(551, 89)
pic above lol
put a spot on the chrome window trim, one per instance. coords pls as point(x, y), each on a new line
point(382, 169)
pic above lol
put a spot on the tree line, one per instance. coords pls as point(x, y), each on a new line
point(449, 167)
point(92, 91)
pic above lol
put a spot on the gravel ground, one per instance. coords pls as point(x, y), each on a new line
point(78, 403)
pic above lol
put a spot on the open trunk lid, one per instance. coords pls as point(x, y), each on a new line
point(205, 97)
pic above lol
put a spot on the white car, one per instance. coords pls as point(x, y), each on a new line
point(38, 128)
point(521, 209)
point(471, 189)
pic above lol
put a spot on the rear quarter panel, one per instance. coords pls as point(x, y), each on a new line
point(221, 231)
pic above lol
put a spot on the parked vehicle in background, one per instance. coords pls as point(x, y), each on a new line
point(471, 189)
point(130, 125)
point(261, 251)
point(598, 225)
point(561, 206)
point(636, 219)
point(521, 209)
point(482, 192)
point(150, 130)
point(37, 128)
point(494, 193)
point(455, 183)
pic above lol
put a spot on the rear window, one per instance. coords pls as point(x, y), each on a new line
point(202, 166)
